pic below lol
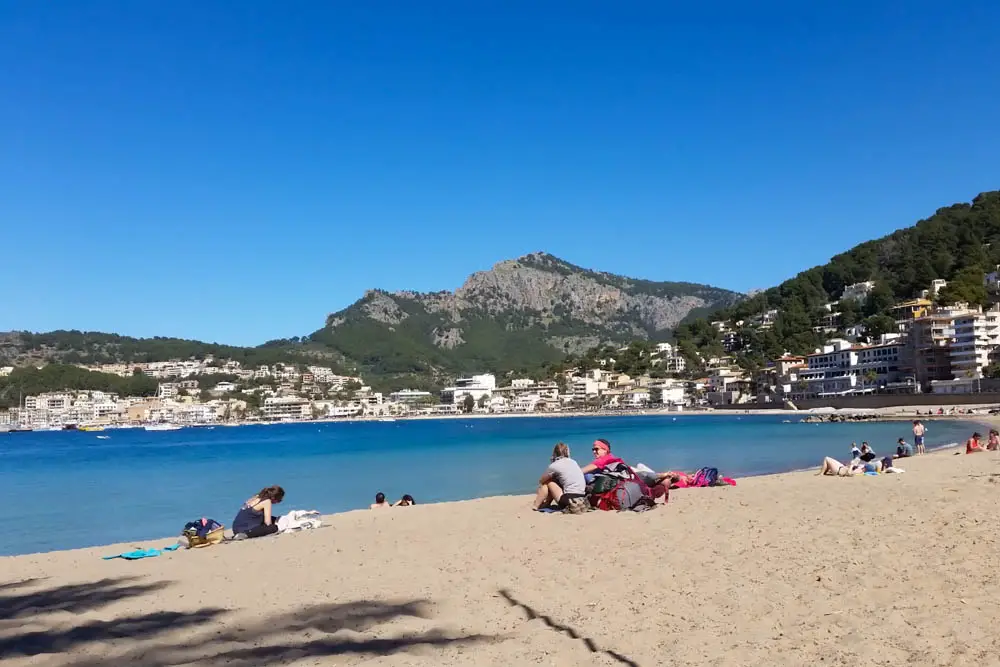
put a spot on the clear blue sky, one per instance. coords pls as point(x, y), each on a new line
point(234, 171)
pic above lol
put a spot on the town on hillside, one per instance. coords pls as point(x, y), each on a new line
point(944, 349)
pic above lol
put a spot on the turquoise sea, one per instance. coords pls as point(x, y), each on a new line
point(76, 489)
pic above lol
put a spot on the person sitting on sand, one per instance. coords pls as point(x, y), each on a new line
point(867, 453)
point(562, 483)
point(903, 449)
point(833, 467)
point(405, 501)
point(255, 518)
point(993, 444)
point(380, 502)
point(973, 444)
point(603, 457)
point(855, 452)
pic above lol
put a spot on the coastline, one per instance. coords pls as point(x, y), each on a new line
point(723, 579)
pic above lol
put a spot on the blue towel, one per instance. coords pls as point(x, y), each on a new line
point(143, 553)
point(136, 555)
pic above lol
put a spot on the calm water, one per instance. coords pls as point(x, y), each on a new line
point(79, 490)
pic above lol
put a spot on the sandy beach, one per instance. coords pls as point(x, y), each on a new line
point(788, 569)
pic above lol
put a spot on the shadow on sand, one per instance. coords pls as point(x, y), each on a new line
point(197, 636)
point(547, 620)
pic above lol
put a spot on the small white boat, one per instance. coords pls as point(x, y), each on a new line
point(387, 419)
point(162, 427)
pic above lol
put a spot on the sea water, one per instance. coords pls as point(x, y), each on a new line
point(73, 489)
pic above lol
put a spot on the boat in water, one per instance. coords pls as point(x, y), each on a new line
point(162, 427)
point(90, 429)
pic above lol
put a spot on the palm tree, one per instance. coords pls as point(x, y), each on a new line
point(870, 376)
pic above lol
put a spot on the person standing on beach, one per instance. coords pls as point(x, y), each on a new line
point(918, 436)
point(562, 483)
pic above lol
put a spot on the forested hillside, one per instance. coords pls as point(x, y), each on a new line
point(959, 243)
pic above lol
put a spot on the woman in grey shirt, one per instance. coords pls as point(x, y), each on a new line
point(562, 483)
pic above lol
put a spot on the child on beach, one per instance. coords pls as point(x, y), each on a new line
point(993, 444)
point(255, 518)
point(918, 436)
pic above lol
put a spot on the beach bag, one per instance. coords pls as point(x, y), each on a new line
point(706, 477)
point(628, 493)
point(602, 484)
point(203, 533)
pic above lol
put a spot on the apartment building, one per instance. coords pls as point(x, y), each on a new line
point(476, 386)
point(281, 408)
point(977, 334)
point(841, 368)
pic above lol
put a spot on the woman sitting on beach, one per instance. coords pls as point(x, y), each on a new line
point(973, 444)
point(867, 453)
point(659, 483)
point(405, 501)
point(255, 518)
point(562, 483)
point(379, 502)
point(832, 466)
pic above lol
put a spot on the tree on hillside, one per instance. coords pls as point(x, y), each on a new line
point(966, 287)
point(877, 325)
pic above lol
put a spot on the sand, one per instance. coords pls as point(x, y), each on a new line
point(787, 569)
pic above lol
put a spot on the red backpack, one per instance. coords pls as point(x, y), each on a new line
point(628, 492)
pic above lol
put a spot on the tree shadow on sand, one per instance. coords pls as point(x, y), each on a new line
point(291, 637)
point(73, 598)
point(48, 607)
point(569, 631)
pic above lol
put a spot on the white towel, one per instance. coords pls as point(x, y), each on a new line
point(299, 520)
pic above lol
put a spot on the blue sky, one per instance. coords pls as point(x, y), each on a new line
point(234, 171)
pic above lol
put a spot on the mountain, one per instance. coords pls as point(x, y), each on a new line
point(21, 348)
point(959, 243)
point(519, 315)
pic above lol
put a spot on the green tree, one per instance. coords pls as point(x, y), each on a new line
point(966, 287)
point(877, 325)
point(468, 404)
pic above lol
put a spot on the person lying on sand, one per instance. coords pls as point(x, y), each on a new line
point(255, 518)
point(405, 501)
point(973, 444)
point(835, 468)
point(562, 483)
point(379, 503)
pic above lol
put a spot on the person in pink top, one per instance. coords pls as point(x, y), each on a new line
point(603, 457)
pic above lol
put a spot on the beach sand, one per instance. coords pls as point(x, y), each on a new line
point(788, 569)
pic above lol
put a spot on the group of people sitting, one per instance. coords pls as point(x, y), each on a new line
point(974, 444)
point(382, 503)
point(607, 482)
point(865, 460)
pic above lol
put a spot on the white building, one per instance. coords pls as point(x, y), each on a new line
point(858, 291)
point(410, 396)
point(279, 408)
point(841, 368)
point(476, 386)
point(977, 334)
